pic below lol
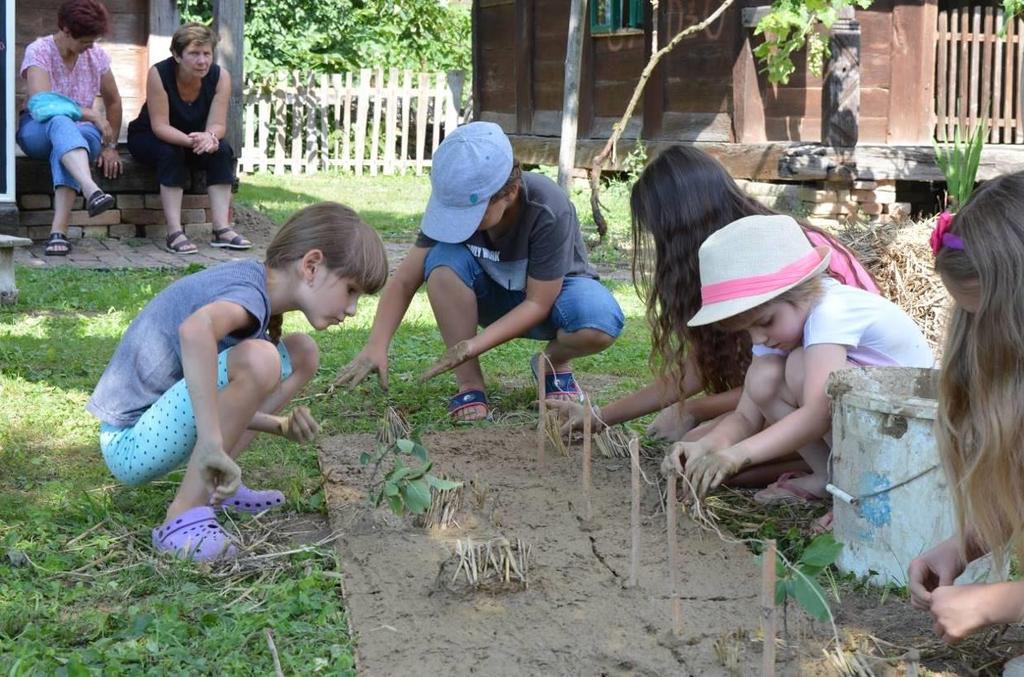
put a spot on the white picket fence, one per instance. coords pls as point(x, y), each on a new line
point(368, 122)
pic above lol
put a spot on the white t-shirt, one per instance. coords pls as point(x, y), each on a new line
point(875, 331)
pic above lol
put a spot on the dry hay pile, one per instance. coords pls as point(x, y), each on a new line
point(497, 565)
point(900, 258)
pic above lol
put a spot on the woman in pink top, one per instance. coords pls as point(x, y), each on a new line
point(69, 62)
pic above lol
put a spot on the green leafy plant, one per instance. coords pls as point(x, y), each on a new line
point(405, 487)
point(959, 159)
point(790, 25)
point(1011, 8)
point(799, 581)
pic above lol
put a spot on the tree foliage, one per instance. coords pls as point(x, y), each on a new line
point(341, 35)
point(791, 25)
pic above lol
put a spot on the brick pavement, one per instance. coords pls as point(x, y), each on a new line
point(104, 253)
point(107, 253)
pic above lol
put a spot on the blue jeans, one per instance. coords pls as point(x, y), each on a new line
point(583, 303)
point(52, 139)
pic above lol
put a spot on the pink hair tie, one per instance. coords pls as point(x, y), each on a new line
point(941, 237)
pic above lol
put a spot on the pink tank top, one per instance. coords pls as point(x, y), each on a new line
point(844, 264)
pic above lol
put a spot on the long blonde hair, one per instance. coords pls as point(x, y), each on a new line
point(980, 429)
point(350, 247)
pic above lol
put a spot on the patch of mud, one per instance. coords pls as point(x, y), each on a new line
point(575, 616)
point(255, 225)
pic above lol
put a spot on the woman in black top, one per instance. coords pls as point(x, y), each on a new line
point(181, 126)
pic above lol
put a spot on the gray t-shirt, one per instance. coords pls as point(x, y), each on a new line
point(147, 362)
point(546, 244)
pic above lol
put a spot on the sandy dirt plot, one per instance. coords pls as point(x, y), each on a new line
point(576, 617)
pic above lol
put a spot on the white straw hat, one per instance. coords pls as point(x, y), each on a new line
point(750, 262)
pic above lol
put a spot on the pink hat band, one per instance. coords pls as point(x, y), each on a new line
point(755, 285)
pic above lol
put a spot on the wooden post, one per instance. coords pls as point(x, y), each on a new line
point(229, 25)
point(421, 121)
point(634, 514)
point(541, 407)
point(164, 19)
point(346, 123)
point(768, 608)
point(913, 57)
point(524, 56)
point(747, 103)
point(571, 92)
point(588, 427)
point(280, 103)
point(362, 106)
point(840, 95)
point(453, 111)
point(391, 122)
point(378, 103)
point(671, 508)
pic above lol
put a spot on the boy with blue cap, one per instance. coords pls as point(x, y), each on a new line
point(501, 249)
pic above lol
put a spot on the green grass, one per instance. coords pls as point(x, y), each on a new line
point(80, 592)
point(393, 205)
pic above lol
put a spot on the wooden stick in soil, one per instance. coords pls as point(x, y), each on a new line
point(634, 514)
point(768, 608)
point(541, 408)
point(588, 414)
point(673, 564)
point(273, 652)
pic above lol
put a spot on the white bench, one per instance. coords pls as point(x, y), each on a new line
point(9, 292)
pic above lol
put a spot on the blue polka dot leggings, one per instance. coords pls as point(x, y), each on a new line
point(163, 438)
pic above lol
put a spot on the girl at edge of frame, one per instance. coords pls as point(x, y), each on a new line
point(682, 197)
point(203, 368)
point(979, 254)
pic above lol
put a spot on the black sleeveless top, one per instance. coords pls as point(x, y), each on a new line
point(185, 117)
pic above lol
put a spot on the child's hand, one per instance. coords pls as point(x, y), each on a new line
point(220, 474)
point(938, 567)
point(672, 423)
point(572, 414)
point(681, 453)
point(456, 355)
point(962, 610)
point(708, 471)
point(300, 426)
point(361, 366)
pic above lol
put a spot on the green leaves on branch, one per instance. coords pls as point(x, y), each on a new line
point(406, 488)
point(799, 581)
point(959, 159)
point(791, 25)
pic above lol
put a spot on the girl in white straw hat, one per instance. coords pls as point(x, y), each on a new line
point(761, 275)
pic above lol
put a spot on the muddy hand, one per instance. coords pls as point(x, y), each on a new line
point(356, 371)
point(300, 426)
point(571, 414)
point(707, 472)
point(221, 475)
point(456, 355)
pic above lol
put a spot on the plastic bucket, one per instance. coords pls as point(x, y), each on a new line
point(891, 498)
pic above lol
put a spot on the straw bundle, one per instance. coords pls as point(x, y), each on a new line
point(900, 258)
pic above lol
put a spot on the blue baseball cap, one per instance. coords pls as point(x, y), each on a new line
point(469, 167)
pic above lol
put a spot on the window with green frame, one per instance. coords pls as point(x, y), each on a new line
point(609, 16)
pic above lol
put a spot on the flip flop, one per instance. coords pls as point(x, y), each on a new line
point(561, 384)
point(194, 534)
point(783, 491)
point(253, 500)
point(465, 399)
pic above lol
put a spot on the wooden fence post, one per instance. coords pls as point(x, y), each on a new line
point(403, 162)
point(378, 78)
point(456, 79)
point(229, 24)
point(391, 122)
point(421, 121)
point(346, 123)
point(840, 95)
point(362, 106)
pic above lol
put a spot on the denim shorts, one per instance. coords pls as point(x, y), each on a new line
point(583, 303)
point(164, 436)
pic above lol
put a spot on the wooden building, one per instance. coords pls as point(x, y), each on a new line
point(924, 65)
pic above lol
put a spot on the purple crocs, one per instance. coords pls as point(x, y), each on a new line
point(254, 501)
point(195, 534)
